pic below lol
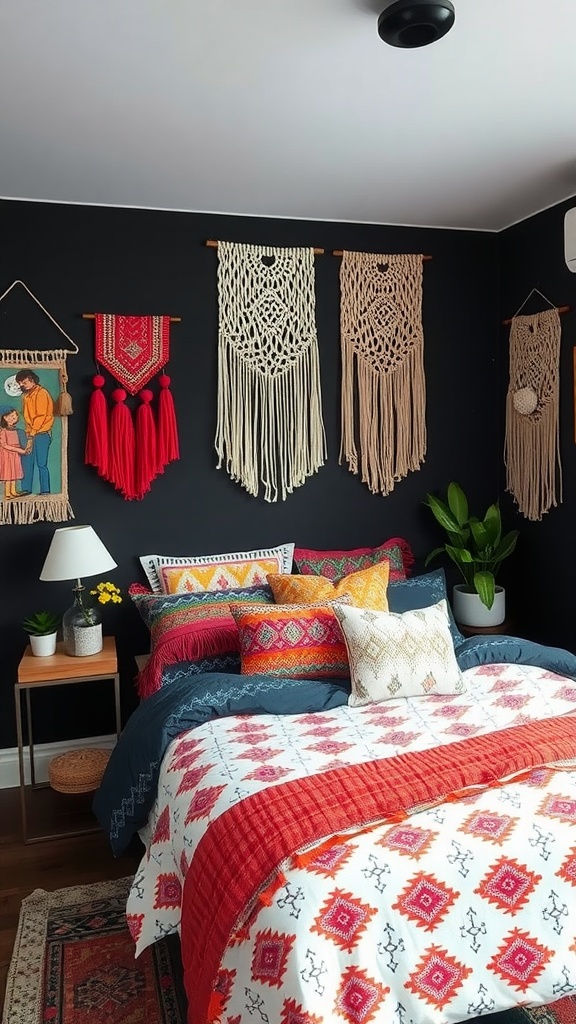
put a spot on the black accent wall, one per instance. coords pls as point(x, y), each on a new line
point(80, 259)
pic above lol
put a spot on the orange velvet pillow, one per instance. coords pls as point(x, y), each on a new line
point(365, 589)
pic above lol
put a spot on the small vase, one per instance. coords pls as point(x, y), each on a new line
point(43, 646)
point(82, 629)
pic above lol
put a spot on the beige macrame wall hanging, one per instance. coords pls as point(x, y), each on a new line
point(532, 445)
point(269, 430)
point(34, 406)
point(383, 341)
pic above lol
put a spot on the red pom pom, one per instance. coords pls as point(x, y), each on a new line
point(98, 380)
point(164, 380)
point(146, 395)
point(119, 395)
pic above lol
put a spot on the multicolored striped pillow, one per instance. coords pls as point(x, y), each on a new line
point(188, 627)
point(334, 565)
point(366, 588)
point(293, 641)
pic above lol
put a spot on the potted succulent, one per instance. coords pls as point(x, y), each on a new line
point(42, 628)
point(477, 548)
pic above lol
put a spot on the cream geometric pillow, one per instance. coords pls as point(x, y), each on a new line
point(392, 654)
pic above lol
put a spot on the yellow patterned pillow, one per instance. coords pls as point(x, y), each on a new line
point(365, 588)
point(194, 579)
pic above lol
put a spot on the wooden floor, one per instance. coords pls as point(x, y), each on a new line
point(49, 865)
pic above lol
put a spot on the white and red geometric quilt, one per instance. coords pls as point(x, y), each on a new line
point(458, 910)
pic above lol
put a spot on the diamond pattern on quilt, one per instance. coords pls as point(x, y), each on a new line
point(193, 777)
point(437, 977)
point(561, 807)
point(520, 960)
point(490, 826)
point(292, 1013)
point(162, 831)
point(203, 802)
point(168, 891)
point(408, 840)
point(268, 773)
point(343, 919)
point(329, 747)
point(329, 861)
point(567, 871)
point(271, 951)
point(358, 997)
point(258, 754)
point(425, 901)
point(508, 885)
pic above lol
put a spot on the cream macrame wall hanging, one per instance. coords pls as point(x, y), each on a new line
point(383, 341)
point(532, 445)
point(34, 405)
point(270, 430)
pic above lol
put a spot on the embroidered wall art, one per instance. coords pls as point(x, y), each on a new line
point(270, 431)
point(383, 396)
point(34, 405)
point(532, 444)
point(130, 448)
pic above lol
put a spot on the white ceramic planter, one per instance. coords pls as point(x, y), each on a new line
point(43, 646)
point(469, 610)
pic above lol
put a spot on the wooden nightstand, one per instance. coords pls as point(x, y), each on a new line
point(58, 669)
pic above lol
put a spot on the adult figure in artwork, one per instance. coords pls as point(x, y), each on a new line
point(38, 416)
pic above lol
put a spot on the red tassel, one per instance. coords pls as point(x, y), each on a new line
point(146, 458)
point(122, 445)
point(96, 448)
point(168, 447)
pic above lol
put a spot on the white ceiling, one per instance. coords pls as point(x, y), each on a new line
point(289, 108)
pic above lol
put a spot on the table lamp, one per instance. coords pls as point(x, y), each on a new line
point(75, 552)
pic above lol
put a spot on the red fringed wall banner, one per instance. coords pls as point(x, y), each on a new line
point(130, 450)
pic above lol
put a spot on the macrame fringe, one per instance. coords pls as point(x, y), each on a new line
point(382, 346)
point(532, 443)
point(54, 508)
point(270, 428)
point(391, 419)
point(30, 357)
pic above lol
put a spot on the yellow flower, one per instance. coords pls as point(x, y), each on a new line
point(105, 592)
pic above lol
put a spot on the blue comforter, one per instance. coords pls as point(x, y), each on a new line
point(128, 789)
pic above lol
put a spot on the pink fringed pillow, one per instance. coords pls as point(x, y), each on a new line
point(337, 564)
point(187, 627)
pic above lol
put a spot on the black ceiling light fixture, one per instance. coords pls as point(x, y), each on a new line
point(411, 23)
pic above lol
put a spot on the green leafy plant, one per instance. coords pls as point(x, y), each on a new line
point(476, 546)
point(41, 623)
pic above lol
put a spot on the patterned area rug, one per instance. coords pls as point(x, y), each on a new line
point(73, 963)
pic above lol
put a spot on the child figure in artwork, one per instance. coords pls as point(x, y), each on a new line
point(11, 449)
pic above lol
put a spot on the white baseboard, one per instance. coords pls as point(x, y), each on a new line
point(43, 754)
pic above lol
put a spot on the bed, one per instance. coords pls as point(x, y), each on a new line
point(411, 859)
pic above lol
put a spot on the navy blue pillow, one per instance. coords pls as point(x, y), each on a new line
point(420, 592)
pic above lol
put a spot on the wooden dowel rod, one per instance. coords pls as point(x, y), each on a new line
point(559, 309)
point(339, 252)
point(213, 244)
point(92, 316)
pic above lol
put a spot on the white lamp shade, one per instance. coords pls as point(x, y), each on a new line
point(76, 551)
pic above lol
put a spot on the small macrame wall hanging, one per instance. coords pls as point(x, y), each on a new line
point(34, 405)
point(383, 394)
point(270, 430)
point(130, 448)
point(532, 443)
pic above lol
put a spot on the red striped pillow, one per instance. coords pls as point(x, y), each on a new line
point(293, 641)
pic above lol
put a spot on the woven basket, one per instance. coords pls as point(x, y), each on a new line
point(78, 771)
